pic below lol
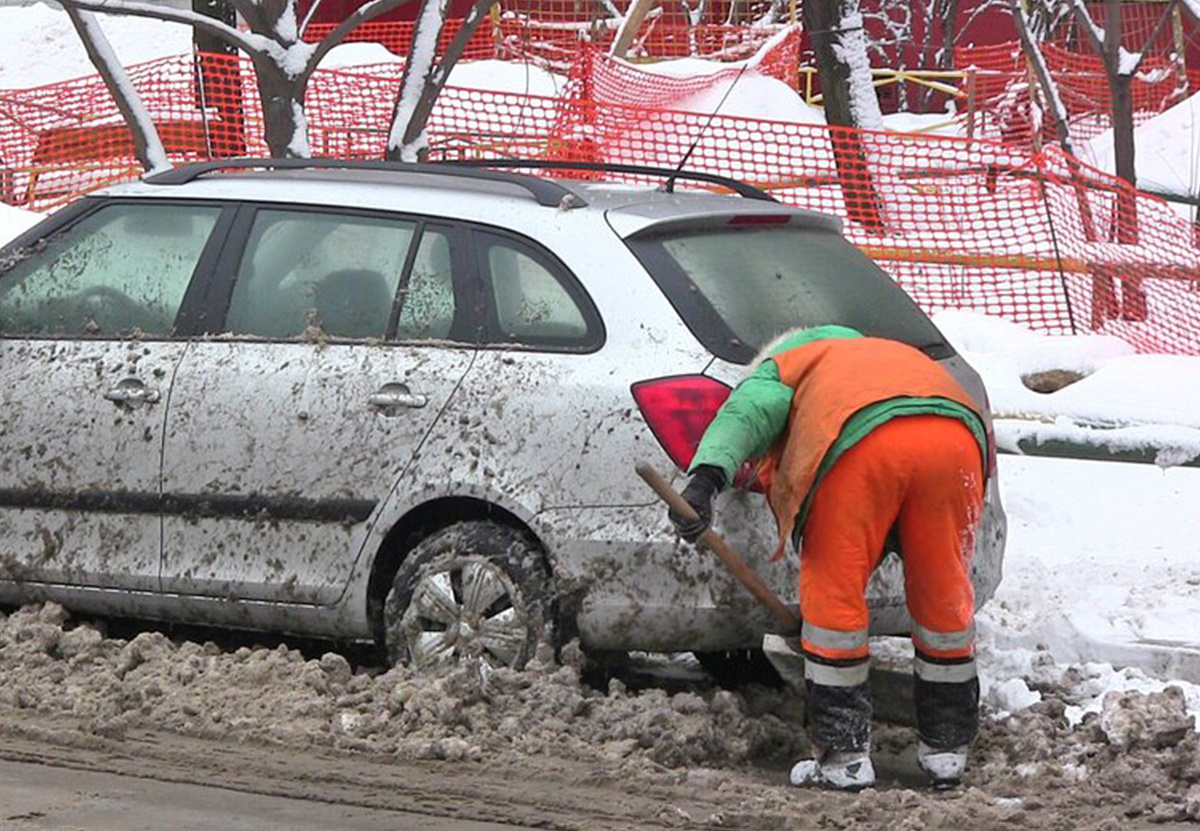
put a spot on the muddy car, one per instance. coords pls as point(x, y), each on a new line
point(404, 403)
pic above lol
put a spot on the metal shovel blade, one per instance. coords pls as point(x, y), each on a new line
point(787, 662)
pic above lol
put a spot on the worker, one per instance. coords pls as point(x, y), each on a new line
point(860, 438)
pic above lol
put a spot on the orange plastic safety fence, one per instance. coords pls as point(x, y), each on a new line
point(1037, 238)
point(557, 43)
point(1003, 81)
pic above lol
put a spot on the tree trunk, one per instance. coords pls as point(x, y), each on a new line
point(850, 101)
point(284, 125)
point(147, 146)
point(1123, 153)
point(424, 79)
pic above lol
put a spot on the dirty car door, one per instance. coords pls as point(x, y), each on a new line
point(287, 431)
point(88, 349)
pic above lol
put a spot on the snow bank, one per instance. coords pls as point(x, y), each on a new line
point(754, 96)
point(507, 76)
point(1166, 157)
point(1102, 566)
point(14, 221)
point(498, 76)
point(1121, 388)
point(41, 47)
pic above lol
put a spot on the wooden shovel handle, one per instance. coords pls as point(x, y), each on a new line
point(711, 540)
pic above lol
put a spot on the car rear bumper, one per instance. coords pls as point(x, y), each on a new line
point(631, 584)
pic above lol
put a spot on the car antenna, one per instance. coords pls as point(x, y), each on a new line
point(669, 185)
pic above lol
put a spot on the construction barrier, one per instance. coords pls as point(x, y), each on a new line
point(1003, 81)
point(966, 224)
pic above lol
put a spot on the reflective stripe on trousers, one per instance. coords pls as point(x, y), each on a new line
point(959, 644)
point(832, 643)
point(958, 672)
point(837, 675)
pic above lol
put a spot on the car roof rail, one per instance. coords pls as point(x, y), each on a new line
point(547, 193)
point(740, 188)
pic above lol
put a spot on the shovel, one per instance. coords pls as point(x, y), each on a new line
point(787, 662)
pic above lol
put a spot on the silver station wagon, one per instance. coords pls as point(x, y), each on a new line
point(403, 403)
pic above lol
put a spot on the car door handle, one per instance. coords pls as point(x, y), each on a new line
point(133, 393)
point(396, 396)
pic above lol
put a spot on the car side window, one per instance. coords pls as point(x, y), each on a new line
point(427, 301)
point(533, 302)
point(308, 273)
point(120, 271)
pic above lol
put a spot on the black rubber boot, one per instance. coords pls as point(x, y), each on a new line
point(838, 718)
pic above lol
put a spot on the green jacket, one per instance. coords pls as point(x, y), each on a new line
point(756, 415)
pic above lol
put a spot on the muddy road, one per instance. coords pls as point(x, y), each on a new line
point(176, 720)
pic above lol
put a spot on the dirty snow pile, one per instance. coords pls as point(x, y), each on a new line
point(1140, 746)
point(48, 664)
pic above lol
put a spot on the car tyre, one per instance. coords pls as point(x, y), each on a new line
point(472, 590)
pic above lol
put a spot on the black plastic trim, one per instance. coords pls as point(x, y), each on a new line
point(200, 506)
point(738, 187)
point(547, 193)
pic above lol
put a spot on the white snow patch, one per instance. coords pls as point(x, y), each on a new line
point(753, 96)
point(1121, 389)
point(353, 55)
point(1168, 152)
point(299, 145)
point(420, 67)
point(41, 46)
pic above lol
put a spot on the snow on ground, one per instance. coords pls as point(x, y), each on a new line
point(38, 44)
point(1102, 568)
point(930, 124)
point(1167, 158)
point(752, 96)
point(1119, 387)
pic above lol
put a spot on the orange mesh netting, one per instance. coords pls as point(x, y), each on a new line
point(1035, 237)
point(1002, 85)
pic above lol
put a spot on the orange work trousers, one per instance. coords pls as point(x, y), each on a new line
point(924, 475)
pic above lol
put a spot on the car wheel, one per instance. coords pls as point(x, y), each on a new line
point(735, 668)
point(472, 590)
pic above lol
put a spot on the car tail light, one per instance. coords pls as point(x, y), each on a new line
point(678, 410)
point(760, 219)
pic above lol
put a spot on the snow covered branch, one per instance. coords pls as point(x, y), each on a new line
point(1095, 35)
point(154, 11)
point(1138, 57)
point(1045, 80)
point(361, 15)
point(424, 77)
point(147, 146)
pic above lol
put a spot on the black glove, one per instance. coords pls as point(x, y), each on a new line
point(706, 482)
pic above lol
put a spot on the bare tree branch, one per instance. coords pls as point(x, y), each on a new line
point(1094, 33)
point(982, 8)
point(312, 11)
point(1158, 25)
point(361, 15)
point(147, 146)
point(410, 117)
point(1041, 72)
point(132, 8)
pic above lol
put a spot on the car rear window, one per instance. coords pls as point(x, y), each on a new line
point(739, 287)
